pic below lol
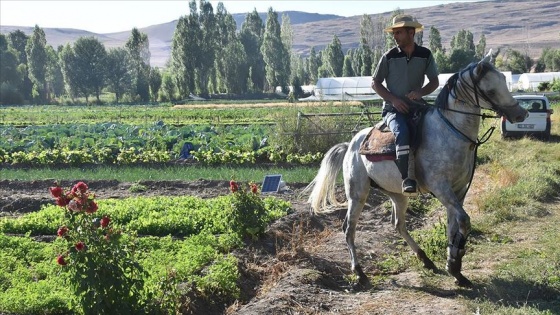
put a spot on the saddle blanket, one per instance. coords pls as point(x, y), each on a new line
point(379, 144)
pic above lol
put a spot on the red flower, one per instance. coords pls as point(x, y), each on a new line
point(80, 246)
point(105, 221)
point(60, 260)
point(62, 201)
point(56, 192)
point(79, 189)
point(62, 231)
point(92, 207)
point(233, 186)
point(254, 188)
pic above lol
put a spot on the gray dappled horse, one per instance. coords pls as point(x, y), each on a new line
point(444, 163)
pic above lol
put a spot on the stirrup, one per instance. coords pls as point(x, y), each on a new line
point(409, 186)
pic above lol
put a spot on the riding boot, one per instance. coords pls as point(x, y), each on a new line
point(408, 184)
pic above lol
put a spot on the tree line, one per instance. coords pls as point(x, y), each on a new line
point(209, 56)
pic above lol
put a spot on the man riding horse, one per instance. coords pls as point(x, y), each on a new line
point(403, 69)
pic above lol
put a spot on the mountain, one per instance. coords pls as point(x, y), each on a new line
point(527, 26)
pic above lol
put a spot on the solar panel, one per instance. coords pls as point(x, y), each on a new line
point(271, 183)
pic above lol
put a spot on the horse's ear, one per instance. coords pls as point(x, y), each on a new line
point(488, 57)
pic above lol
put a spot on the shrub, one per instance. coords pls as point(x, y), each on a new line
point(98, 257)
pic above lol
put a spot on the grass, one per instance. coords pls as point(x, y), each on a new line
point(298, 174)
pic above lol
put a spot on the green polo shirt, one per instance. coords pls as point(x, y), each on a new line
point(402, 74)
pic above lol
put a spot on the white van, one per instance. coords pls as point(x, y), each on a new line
point(537, 123)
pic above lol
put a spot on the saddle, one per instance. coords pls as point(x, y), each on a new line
point(379, 144)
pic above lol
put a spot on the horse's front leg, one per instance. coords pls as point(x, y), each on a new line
point(458, 229)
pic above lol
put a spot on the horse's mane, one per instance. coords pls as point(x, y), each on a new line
point(443, 96)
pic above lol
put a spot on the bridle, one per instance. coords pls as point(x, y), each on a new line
point(463, 89)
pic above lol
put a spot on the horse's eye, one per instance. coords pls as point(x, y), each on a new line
point(491, 93)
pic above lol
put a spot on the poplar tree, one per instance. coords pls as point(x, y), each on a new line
point(274, 52)
point(185, 52)
point(226, 33)
point(207, 42)
point(251, 36)
point(18, 40)
point(37, 63)
point(138, 47)
point(313, 64)
point(434, 42)
point(333, 59)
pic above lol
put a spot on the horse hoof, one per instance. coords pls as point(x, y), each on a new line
point(363, 281)
point(428, 263)
point(461, 281)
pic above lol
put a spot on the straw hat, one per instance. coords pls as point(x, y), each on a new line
point(404, 20)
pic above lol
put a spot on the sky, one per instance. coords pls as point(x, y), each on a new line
point(109, 16)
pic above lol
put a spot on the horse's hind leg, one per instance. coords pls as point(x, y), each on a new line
point(357, 195)
point(400, 204)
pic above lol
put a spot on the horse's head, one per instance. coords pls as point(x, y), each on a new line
point(487, 88)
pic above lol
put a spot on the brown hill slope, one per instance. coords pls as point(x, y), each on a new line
point(527, 26)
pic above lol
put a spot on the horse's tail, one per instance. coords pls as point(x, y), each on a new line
point(322, 197)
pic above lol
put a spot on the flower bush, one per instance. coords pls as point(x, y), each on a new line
point(249, 210)
point(98, 256)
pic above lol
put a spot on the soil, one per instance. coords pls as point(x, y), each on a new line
point(301, 265)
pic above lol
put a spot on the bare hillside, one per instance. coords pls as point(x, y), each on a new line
point(527, 26)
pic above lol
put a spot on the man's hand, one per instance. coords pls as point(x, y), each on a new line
point(414, 95)
point(400, 105)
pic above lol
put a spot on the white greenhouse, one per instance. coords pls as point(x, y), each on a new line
point(531, 81)
point(359, 88)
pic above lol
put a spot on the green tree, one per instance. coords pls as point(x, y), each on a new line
point(226, 29)
point(207, 43)
point(70, 72)
point(251, 36)
point(516, 62)
point(84, 67)
point(181, 67)
point(91, 62)
point(235, 67)
point(138, 47)
point(434, 43)
point(442, 61)
point(313, 64)
point(10, 75)
point(458, 59)
point(37, 63)
point(54, 77)
point(18, 40)
point(167, 91)
point(347, 70)
point(120, 72)
point(463, 41)
point(333, 59)
point(550, 59)
point(366, 61)
point(480, 50)
point(9, 63)
point(287, 36)
point(155, 83)
point(275, 55)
